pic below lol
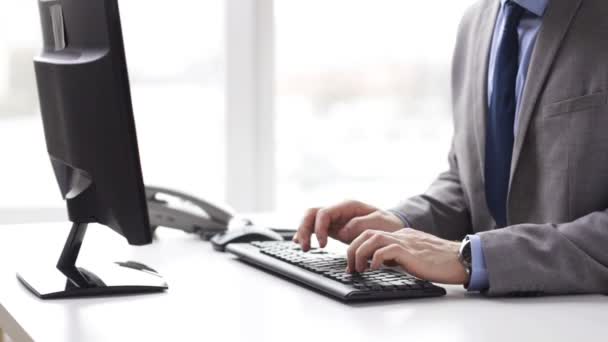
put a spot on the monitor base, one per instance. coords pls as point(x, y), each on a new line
point(112, 279)
point(66, 280)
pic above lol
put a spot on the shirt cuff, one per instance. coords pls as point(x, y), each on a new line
point(402, 217)
point(479, 275)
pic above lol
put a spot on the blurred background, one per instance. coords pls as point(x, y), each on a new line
point(361, 99)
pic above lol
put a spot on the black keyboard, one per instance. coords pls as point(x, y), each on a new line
point(326, 271)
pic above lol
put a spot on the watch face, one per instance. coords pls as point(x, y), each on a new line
point(465, 252)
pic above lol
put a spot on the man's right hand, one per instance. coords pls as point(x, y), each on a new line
point(343, 222)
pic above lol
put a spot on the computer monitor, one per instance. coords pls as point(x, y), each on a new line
point(85, 102)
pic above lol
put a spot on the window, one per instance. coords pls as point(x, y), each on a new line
point(175, 56)
point(360, 107)
point(27, 177)
point(176, 61)
point(363, 103)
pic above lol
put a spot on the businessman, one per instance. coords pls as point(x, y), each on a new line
point(523, 208)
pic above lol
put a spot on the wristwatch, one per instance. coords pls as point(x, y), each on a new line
point(465, 256)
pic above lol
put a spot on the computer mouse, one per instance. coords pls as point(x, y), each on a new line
point(244, 234)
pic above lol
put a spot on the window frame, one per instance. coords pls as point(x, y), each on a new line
point(250, 108)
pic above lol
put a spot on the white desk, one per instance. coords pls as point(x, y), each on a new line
point(32, 215)
point(214, 297)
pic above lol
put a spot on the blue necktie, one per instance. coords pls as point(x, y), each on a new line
point(499, 134)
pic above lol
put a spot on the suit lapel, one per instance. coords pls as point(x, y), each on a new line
point(487, 20)
point(556, 21)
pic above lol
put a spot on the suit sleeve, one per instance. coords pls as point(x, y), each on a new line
point(566, 258)
point(442, 210)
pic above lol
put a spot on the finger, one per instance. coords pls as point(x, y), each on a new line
point(392, 253)
point(306, 228)
point(359, 224)
point(351, 252)
point(356, 226)
point(332, 218)
point(323, 221)
point(351, 229)
point(367, 249)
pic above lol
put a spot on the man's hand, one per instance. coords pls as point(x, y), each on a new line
point(422, 255)
point(344, 221)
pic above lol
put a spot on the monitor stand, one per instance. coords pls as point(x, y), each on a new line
point(69, 281)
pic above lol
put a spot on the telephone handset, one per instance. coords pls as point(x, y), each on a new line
point(173, 209)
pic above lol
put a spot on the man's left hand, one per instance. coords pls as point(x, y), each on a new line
point(422, 255)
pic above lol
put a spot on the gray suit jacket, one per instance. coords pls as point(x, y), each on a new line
point(556, 241)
